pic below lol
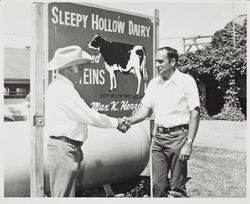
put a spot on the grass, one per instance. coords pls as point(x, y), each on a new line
point(213, 172)
point(217, 173)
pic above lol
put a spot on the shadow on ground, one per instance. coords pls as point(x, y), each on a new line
point(135, 187)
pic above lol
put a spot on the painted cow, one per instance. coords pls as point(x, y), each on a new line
point(125, 58)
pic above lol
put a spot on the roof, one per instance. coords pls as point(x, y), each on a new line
point(16, 64)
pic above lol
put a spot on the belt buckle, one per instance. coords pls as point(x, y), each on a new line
point(160, 130)
point(168, 130)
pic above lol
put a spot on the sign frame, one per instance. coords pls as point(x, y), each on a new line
point(103, 89)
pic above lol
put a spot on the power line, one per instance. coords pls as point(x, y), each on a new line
point(215, 16)
point(169, 38)
point(181, 37)
point(18, 34)
point(195, 42)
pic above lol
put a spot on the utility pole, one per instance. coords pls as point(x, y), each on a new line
point(152, 122)
point(233, 26)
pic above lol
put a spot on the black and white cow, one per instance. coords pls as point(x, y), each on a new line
point(125, 58)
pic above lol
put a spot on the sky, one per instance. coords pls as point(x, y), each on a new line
point(177, 20)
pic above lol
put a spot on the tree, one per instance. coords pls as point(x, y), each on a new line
point(225, 63)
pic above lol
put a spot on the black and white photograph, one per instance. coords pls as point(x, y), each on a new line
point(124, 100)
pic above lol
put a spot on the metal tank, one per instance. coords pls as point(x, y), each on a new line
point(109, 157)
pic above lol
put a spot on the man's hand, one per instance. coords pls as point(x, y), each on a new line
point(186, 151)
point(123, 124)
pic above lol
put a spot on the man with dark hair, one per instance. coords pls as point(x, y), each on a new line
point(173, 98)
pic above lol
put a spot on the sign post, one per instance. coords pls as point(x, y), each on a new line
point(37, 101)
point(156, 46)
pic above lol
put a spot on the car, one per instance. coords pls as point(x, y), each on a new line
point(16, 112)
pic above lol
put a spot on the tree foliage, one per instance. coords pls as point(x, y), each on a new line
point(225, 63)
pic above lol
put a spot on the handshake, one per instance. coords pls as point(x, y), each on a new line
point(123, 124)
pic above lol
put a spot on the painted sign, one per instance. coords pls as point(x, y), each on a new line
point(121, 45)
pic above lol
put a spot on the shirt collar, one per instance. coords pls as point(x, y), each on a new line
point(176, 78)
point(65, 80)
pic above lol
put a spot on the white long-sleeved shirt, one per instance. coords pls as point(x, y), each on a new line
point(172, 100)
point(67, 114)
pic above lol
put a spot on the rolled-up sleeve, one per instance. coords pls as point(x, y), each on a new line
point(192, 93)
point(147, 99)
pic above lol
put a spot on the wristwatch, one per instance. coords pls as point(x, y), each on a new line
point(189, 141)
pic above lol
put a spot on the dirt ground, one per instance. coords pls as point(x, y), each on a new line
point(222, 134)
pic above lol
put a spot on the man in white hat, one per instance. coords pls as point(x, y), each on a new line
point(67, 116)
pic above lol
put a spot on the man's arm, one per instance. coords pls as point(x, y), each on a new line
point(139, 115)
point(193, 124)
point(193, 127)
point(77, 108)
point(125, 123)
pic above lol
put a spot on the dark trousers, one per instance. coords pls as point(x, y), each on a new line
point(64, 160)
point(165, 160)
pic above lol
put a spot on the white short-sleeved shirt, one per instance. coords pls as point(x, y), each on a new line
point(67, 114)
point(172, 100)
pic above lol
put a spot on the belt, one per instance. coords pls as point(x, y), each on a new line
point(68, 140)
point(163, 130)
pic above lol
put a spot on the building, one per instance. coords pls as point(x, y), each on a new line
point(16, 83)
point(16, 73)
